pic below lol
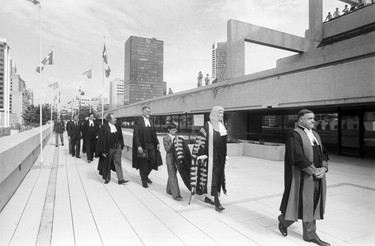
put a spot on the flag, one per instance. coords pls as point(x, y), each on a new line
point(106, 67)
point(48, 60)
point(54, 85)
point(35, 2)
point(88, 73)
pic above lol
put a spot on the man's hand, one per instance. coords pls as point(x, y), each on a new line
point(140, 150)
point(104, 155)
point(320, 172)
point(158, 147)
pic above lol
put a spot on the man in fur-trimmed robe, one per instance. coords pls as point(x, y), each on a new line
point(306, 164)
point(209, 158)
point(109, 150)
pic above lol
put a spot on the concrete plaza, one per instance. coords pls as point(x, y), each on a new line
point(65, 202)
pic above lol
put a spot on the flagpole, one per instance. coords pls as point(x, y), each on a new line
point(103, 87)
point(40, 82)
point(53, 90)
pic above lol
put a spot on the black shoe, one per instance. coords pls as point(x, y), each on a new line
point(57, 146)
point(144, 184)
point(106, 181)
point(78, 157)
point(169, 192)
point(88, 161)
point(123, 181)
point(62, 144)
point(148, 181)
point(318, 241)
point(217, 203)
point(283, 230)
point(209, 201)
point(219, 208)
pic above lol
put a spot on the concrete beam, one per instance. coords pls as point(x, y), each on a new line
point(238, 32)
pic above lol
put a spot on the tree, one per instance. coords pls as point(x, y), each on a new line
point(32, 113)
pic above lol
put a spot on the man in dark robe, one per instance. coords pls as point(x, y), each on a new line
point(146, 154)
point(306, 163)
point(75, 134)
point(109, 150)
point(90, 133)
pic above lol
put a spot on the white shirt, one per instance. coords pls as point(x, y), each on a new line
point(147, 122)
point(310, 135)
point(222, 129)
point(112, 127)
point(91, 123)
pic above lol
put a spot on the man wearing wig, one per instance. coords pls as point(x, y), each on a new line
point(208, 159)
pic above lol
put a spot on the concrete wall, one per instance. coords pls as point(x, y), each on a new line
point(357, 19)
point(268, 152)
point(17, 155)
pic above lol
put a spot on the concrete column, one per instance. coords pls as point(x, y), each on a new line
point(235, 49)
point(315, 20)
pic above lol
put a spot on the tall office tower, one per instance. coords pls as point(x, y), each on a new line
point(5, 69)
point(143, 69)
point(19, 98)
point(116, 93)
point(219, 61)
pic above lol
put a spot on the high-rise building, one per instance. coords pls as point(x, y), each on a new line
point(116, 93)
point(219, 61)
point(19, 97)
point(143, 77)
point(5, 69)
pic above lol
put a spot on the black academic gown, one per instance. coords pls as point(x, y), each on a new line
point(218, 157)
point(139, 140)
point(298, 184)
point(103, 147)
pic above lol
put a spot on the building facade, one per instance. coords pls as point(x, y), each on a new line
point(5, 71)
point(332, 74)
point(144, 61)
point(116, 93)
point(19, 96)
point(219, 61)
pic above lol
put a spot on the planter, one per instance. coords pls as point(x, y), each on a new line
point(268, 151)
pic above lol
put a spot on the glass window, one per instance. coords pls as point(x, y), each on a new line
point(369, 124)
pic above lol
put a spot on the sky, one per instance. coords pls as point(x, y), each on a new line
point(76, 31)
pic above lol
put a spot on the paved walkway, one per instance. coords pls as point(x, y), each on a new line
point(64, 202)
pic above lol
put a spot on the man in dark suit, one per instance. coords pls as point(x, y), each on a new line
point(145, 141)
point(75, 136)
point(67, 130)
point(90, 133)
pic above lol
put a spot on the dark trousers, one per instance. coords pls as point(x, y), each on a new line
point(146, 167)
point(90, 148)
point(309, 227)
point(115, 155)
point(76, 147)
point(70, 145)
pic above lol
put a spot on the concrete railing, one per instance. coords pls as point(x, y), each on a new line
point(17, 155)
